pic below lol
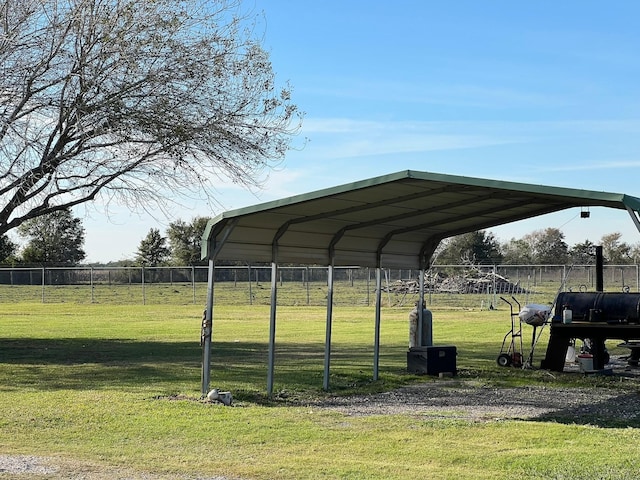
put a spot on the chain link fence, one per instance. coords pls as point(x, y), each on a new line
point(446, 286)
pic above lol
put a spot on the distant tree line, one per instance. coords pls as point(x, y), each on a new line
point(181, 246)
point(57, 240)
point(540, 247)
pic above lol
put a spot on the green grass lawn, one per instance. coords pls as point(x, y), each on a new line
point(120, 386)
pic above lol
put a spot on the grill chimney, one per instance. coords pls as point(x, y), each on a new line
point(599, 270)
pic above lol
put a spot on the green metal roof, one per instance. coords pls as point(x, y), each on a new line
point(394, 220)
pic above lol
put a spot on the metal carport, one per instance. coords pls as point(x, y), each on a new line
point(391, 221)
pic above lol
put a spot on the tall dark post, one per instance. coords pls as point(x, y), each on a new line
point(599, 270)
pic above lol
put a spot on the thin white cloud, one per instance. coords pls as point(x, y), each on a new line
point(349, 138)
point(593, 166)
point(279, 183)
point(458, 94)
point(335, 138)
point(401, 143)
point(351, 125)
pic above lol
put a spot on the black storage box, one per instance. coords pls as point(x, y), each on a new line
point(432, 360)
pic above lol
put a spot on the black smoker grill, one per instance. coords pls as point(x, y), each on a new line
point(611, 308)
point(596, 316)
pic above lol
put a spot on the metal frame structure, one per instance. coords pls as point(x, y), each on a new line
point(394, 220)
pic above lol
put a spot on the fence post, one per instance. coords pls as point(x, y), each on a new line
point(193, 282)
point(250, 291)
point(91, 283)
point(387, 272)
point(495, 297)
point(43, 282)
point(144, 298)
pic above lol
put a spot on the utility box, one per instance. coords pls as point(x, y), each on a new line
point(432, 360)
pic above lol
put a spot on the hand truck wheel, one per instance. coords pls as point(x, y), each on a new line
point(503, 360)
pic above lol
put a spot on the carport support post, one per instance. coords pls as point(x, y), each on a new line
point(327, 342)
point(207, 330)
point(634, 217)
point(272, 327)
point(376, 342)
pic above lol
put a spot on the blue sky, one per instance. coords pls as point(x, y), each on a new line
point(542, 92)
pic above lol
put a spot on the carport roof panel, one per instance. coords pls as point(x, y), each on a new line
point(409, 208)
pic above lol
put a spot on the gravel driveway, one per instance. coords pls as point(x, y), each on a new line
point(466, 400)
point(471, 400)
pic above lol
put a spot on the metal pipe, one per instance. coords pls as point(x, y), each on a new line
point(250, 291)
point(144, 293)
point(207, 332)
point(272, 326)
point(193, 283)
point(376, 342)
point(327, 342)
point(420, 305)
point(599, 269)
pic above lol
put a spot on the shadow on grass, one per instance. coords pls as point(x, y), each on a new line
point(74, 351)
point(173, 367)
point(90, 363)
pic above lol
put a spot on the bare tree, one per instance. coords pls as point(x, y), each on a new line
point(134, 102)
